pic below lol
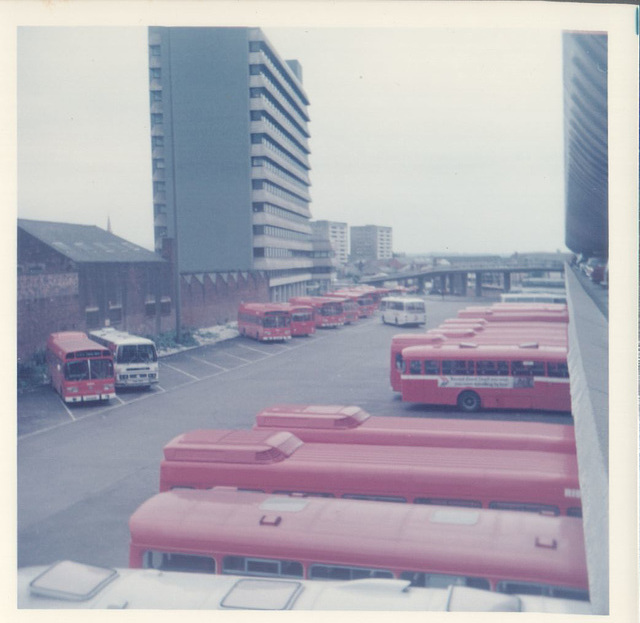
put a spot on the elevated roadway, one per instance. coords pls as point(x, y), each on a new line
point(454, 278)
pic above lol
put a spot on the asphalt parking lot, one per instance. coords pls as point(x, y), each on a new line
point(83, 470)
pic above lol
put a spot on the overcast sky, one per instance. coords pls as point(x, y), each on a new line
point(453, 137)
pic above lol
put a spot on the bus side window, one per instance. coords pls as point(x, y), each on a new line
point(343, 572)
point(558, 370)
point(415, 367)
point(492, 368)
point(431, 367)
point(261, 566)
point(458, 367)
point(167, 561)
point(449, 502)
point(374, 498)
point(526, 507)
point(527, 368)
point(442, 580)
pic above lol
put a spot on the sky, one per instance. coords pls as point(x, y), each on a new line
point(452, 136)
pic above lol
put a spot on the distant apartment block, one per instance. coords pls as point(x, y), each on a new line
point(371, 242)
point(337, 233)
point(230, 156)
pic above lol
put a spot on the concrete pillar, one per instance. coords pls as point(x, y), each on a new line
point(507, 281)
point(464, 279)
point(450, 280)
point(478, 284)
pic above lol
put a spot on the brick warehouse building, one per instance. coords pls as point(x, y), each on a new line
point(80, 277)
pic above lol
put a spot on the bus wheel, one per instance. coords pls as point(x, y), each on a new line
point(469, 402)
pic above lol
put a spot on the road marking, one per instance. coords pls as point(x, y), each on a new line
point(255, 350)
point(209, 363)
point(181, 371)
point(68, 411)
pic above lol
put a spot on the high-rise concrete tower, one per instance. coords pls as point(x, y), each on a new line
point(230, 151)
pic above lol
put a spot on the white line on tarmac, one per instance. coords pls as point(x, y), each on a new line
point(181, 371)
point(209, 363)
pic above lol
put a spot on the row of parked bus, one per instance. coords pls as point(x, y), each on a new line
point(321, 492)
point(506, 356)
point(90, 367)
point(303, 315)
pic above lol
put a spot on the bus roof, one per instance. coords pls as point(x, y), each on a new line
point(118, 338)
point(277, 453)
point(265, 307)
point(312, 416)
point(232, 446)
point(429, 337)
point(411, 536)
point(70, 342)
point(324, 424)
point(71, 585)
point(313, 300)
point(472, 350)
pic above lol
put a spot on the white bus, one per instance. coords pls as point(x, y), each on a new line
point(71, 585)
point(401, 310)
point(135, 358)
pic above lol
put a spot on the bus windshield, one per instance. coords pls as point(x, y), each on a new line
point(136, 353)
point(88, 369)
point(276, 320)
point(331, 309)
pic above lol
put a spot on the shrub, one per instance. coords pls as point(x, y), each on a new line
point(32, 372)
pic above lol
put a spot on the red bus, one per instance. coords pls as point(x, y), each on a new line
point(327, 312)
point(351, 424)
point(366, 303)
point(545, 333)
point(376, 293)
point(349, 305)
point(234, 532)
point(542, 334)
point(279, 462)
point(265, 322)
point(401, 341)
point(515, 314)
point(302, 320)
point(474, 376)
point(80, 369)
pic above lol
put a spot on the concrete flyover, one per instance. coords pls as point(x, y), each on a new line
point(453, 279)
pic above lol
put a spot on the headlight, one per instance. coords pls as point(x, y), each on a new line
point(73, 390)
point(108, 386)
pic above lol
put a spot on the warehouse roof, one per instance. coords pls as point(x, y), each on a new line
point(86, 243)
